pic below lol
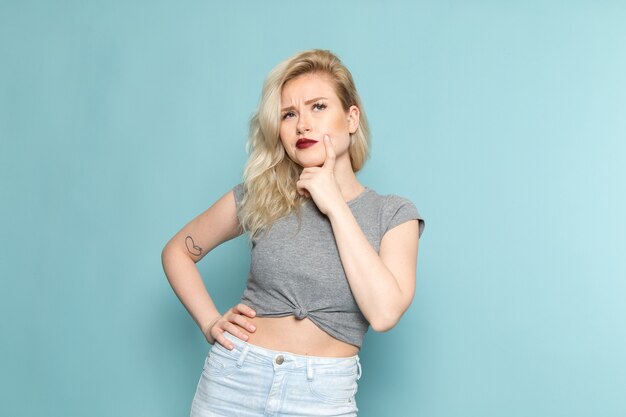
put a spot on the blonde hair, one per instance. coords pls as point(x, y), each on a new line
point(270, 176)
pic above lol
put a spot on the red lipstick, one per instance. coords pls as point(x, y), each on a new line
point(305, 143)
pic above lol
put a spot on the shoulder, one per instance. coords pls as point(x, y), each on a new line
point(238, 192)
point(385, 201)
point(394, 209)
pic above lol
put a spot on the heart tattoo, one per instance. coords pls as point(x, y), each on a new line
point(191, 246)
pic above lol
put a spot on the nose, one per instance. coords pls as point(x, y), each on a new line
point(303, 125)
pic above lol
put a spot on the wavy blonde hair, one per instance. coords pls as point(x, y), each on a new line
point(270, 176)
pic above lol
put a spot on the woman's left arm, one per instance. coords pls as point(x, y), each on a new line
point(383, 284)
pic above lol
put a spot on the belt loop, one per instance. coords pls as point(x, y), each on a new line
point(359, 371)
point(242, 357)
point(309, 369)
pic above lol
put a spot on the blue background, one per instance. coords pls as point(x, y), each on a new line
point(504, 122)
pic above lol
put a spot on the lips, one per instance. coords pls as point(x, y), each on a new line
point(305, 143)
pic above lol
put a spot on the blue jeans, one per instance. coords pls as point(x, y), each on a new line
point(253, 381)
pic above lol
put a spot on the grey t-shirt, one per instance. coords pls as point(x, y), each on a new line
point(295, 266)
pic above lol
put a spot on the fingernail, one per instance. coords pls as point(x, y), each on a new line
point(253, 327)
point(245, 336)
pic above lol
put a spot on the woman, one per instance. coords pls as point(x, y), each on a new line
point(330, 257)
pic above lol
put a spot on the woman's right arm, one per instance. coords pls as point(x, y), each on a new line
point(216, 225)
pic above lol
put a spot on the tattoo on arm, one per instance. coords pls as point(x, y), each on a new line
point(191, 246)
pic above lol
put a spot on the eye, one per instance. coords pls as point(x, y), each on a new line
point(319, 106)
point(287, 115)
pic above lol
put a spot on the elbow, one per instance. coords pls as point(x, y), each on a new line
point(166, 249)
point(165, 253)
point(391, 315)
point(171, 254)
point(170, 257)
point(384, 324)
point(387, 320)
point(165, 259)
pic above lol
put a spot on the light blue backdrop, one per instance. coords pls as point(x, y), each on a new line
point(504, 123)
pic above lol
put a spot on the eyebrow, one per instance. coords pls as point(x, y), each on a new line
point(306, 102)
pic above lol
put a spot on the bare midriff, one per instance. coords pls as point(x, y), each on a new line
point(302, 337)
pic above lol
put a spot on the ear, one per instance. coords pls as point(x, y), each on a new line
point(353, 118)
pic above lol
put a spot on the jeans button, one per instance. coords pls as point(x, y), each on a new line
point(280, 359)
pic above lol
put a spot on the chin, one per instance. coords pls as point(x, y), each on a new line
point(310, 161)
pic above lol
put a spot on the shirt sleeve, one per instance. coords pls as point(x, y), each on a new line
point(238, 193)
point(398, 210)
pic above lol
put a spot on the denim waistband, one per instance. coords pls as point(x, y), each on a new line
point(288, 359)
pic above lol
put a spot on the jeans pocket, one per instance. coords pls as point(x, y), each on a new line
point(221, 362)
point(334, 388)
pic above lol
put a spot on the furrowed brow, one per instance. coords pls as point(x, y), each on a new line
point(306, 102)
